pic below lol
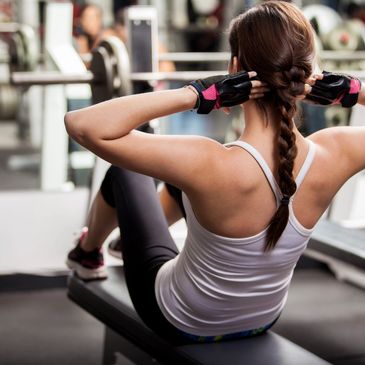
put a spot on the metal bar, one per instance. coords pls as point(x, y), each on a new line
point(225, 56)
point(342, 55)
point(182, 56)
point(192, 75)
point(222, 56)
point(195, 56)
point(58, 78)
point(174, 76)
point(49, 78)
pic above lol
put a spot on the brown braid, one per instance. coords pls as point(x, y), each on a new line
point(287, 152)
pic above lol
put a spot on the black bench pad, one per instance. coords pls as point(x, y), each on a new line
point(109, 302)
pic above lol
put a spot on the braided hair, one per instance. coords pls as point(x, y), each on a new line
point(275, 40)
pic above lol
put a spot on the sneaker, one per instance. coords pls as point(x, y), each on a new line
point(115, 248)
point(87, 265)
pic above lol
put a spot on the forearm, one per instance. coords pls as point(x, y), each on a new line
point(115, 118)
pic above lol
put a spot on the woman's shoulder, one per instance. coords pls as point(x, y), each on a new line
point(341, 147)
point(340, 139)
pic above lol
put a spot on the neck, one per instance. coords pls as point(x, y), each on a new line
point(259, 130)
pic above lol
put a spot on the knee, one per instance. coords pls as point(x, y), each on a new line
point(121, 176)
point(117, 173)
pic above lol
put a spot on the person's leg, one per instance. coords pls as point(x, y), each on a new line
point(101, 221)
point(146, 241)
point(171, 202)
point(86, 259)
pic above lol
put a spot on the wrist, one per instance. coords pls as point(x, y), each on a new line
point(361, 99)
point(192, 96)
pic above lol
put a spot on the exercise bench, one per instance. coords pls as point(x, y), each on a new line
point(128, 338)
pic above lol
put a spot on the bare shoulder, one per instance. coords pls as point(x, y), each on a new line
point(342, 147)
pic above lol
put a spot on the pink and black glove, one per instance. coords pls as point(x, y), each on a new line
point(222, 91)
point(335, 89)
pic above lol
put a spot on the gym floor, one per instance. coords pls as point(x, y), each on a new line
point(40, 325)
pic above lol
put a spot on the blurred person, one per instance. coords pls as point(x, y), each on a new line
point(89, 28)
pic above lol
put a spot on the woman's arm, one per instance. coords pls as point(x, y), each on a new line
point(108, 129)
point(115, 118)
point(345, 145)
point(122, 115)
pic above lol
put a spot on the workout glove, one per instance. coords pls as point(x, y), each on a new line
point(226, 90)
point(335, 89)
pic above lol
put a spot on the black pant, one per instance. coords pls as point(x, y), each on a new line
point(146, 241)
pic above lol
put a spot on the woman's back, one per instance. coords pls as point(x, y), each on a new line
point(226, 282)
point(220, 284)
point(238, 201)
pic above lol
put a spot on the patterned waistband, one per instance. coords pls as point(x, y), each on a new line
point(229, 336)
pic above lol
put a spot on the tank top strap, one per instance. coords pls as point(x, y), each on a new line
point(262, 163)
point(307, 164)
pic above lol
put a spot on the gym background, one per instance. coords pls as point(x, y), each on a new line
point(57, 56)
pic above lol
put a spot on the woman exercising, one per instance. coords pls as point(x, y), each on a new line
point(250, 205)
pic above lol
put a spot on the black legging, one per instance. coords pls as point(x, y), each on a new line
point(146, 241)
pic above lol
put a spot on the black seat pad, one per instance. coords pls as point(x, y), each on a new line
point(109, 301)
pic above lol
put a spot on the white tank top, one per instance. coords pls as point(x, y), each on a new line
point(219, 285)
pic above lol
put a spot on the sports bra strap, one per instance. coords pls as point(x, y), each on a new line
point(266, 169)
point(262, 163)
point(307, 164)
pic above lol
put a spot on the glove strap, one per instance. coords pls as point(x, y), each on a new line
point(350, 99)
point(207, 98)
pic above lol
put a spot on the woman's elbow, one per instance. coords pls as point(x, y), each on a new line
point(74, 127)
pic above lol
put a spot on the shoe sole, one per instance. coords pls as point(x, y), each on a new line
point(87, 274)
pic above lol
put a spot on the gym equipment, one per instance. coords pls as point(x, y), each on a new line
point(349, 36)
point(110, 73)
point(9, 102)
point(341, 248)
point(142, 43)
point(23, 46)
point(337, 116)
point(323, 19)
point(195, 56)
point(110, 62)
point(22, 56)
point(126, 334)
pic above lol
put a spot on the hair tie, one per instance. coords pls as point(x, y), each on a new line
point(285, 200)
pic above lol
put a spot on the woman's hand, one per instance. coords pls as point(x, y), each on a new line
point(308, 86)
point(332, 89)
point(227, 90)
